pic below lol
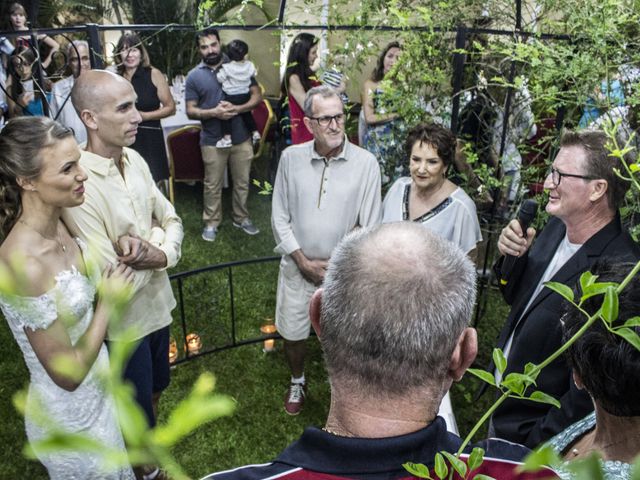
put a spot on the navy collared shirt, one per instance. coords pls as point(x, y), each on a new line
point(319, 455)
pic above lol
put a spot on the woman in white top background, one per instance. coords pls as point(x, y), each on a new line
point(428, 196)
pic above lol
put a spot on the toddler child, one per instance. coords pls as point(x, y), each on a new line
point(235, 79)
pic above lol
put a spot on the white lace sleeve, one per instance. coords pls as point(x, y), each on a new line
point(33, 312)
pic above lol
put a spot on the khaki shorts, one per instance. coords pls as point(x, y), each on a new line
point(292, 301)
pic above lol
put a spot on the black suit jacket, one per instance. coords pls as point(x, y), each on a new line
point(539, 333)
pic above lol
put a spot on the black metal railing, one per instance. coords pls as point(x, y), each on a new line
point(185, 319)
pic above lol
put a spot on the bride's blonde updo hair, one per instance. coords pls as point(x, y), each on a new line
point(21, 142)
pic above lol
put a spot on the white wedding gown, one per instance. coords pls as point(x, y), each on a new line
point(87, 410)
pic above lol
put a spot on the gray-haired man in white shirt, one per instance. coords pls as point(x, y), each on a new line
point(61, 107)
point(324, 189)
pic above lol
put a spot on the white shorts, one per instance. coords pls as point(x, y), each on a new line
point(292, 301)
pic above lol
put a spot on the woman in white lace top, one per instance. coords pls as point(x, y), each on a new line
point(50, 310)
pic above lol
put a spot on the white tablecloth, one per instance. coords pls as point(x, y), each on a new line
point(176, 121)
point(179, 120)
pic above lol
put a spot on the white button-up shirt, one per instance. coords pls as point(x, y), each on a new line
point(63, 111)
point(316, 201)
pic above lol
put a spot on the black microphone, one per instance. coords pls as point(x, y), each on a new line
point(526, 214)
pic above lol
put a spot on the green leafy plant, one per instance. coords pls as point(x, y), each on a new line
point(265, 187)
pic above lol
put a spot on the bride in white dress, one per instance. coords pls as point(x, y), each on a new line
point(51, 314)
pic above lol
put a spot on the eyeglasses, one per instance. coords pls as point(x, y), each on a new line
point(326, 120)
point(556, 176)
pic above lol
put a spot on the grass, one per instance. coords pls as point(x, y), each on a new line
point(259, 428)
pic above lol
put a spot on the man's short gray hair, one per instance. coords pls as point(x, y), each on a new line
point(325, 91)
point(74, 45)
point(396, 298)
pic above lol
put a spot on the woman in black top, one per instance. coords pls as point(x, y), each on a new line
point(154, 102)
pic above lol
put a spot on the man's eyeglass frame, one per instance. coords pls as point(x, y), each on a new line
point(326, 120)
point(556, 176)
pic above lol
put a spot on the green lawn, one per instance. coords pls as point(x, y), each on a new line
point(259, 428)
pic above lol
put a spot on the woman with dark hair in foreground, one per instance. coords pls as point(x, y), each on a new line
point(608, 367)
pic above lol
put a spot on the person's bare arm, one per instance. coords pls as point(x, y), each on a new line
point(168, 106)
point(53, 48)
point(342, 88)
point(16, 109)
point(296, 90)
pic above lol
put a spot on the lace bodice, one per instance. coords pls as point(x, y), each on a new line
point(71, 299)
point(88, 409)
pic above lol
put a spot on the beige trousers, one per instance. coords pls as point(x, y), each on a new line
point(238, 158)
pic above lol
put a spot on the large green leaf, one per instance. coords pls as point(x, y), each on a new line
point(194, 411)
point(629, 335)
point(586, 279)
point(483, 375)
point(514, 385)
point(457, 464)
point(529, 368)
point(560, 289)
point(441, 468)
point(517, 382)
point(499, 360)
point(542, 397)
point(476, 458)
point(632, 322)
point(610, 305)
point(133, 421)
point(596, 289)
point(589, 467)
point(539, 458)
point(635, 470)
point(418, 470)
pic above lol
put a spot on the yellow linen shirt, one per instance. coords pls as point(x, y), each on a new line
point(117, 205)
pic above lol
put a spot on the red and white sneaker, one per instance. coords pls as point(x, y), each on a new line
point(294, 400)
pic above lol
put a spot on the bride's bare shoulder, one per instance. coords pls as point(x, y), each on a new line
point(23, 267)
